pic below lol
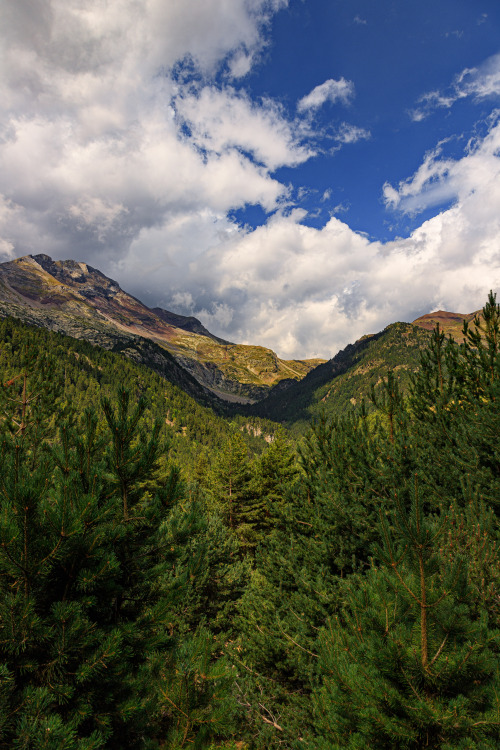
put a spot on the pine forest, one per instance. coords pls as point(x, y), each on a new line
point(175, 575)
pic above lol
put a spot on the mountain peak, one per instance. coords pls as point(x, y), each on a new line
point(74, 298)
point(450, 323)
point(74, 272)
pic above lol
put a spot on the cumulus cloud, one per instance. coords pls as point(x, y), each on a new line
point(329, 91)
point(439, 180)
point(94, 113)
point(308, 291)
point(312, 291)
point(120, 146)
point(223, 119)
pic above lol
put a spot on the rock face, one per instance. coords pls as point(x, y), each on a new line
point(187, 323)
point(80, 301)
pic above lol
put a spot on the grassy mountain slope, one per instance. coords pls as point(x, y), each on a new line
point(345, 381)
point(78, 300)
point(449, 323)
point(66, 373)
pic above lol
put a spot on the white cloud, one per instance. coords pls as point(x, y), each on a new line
point(329, 91)
point(92, 151)
point(223, 119)
point(240, 64)
point(477, 83)
point(305, 291)
point(111, 155)
point(351, 133)
point(439, 180)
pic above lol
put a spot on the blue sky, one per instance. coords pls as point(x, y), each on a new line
point(393, 52)
point(295, 173)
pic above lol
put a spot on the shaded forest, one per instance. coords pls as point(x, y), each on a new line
point(174, 579)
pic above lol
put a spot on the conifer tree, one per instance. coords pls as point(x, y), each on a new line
point(409, 657)
point(454, 403)
point(87, 648)
point(410, 661)
point(56, 562)
point(231, 490)
point(276, 471)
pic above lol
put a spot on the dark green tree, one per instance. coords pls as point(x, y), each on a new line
point(232, 494)
point(411, 661)
point(394, 543)
point(89, 635)
point(275, 473)
point(455, 415)
point(56, 565)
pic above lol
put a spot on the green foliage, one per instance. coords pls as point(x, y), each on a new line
point(409, 662)
point(229, 481)
point(67, 376)
point(169, 579)
point(333, 388)
point(371, 619)
point(92, 635)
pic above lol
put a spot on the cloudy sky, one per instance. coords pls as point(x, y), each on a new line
point(295, 173)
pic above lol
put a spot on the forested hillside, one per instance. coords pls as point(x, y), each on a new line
point(80, 301)
point(170, 579)
point(67, 376)
point(346, 380)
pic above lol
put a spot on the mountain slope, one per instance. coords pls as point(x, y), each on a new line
point(70, 376)
point(187, 323)
point(79, 300)
point(449, 323)
point(345, 381)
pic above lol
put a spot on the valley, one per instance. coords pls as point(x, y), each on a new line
point(76, 299)
point(180, 569)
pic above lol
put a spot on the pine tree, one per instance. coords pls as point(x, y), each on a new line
point(411, 659)
point(410, 662)
point(409, 656)
point(276, 472)
point(231, 490)
point(454, 402)
point(56, 562)
point(86, 596)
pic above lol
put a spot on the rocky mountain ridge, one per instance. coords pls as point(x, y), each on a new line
point(449, 323)
point(80, 301)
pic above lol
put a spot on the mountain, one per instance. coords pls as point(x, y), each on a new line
point(187, 323)
point(449, 323)
point(80, 301)
point(334, 387)
point(72, 375)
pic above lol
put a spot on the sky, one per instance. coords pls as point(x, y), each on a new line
point(294, 173)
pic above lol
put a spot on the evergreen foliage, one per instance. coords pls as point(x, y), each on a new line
point(371, 619)
point(88, 595)
point(171, 579)
point(333, 388)
point(410, 661)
